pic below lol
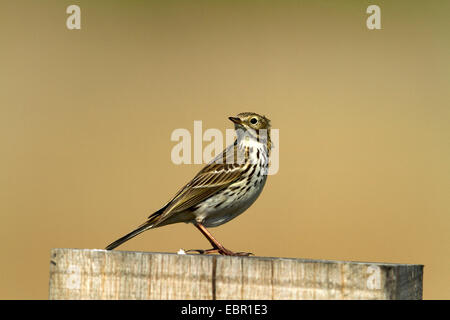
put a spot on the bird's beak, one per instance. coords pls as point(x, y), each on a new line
point(235, 120)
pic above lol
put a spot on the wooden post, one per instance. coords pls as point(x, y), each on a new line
point(100, 274)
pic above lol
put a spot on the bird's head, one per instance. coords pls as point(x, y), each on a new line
point(250, 120)
point(250, 125)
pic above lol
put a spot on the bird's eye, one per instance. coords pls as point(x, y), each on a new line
point(253, 121)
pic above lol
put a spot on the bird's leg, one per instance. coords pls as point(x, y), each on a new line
point(217, 247)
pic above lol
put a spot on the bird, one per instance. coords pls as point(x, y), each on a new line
point(226, 187)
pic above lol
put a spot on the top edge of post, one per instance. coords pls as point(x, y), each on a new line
point(305, 260)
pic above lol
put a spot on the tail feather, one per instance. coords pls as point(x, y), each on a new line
point(127, 237)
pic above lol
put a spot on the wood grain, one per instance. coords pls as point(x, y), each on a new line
point(100, 274)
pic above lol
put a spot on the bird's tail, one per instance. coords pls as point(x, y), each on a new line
point(150, 223)
point(127, 237)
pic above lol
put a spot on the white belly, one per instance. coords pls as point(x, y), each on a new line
point(227, 205)
point(239, 196)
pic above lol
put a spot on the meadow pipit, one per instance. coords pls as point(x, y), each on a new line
point(223, 189)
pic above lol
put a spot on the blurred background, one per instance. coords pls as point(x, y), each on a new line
point(86, 117)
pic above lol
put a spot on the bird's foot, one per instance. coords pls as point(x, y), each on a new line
point(223, 251)
point(239, 254)
point(201, 251)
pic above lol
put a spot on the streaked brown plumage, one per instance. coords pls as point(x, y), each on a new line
point(223, 189)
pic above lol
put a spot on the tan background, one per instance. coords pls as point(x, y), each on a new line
point(86, 118)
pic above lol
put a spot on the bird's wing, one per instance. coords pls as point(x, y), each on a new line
point(211, 179)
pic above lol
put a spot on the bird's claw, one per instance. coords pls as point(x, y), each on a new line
point(202, 251)
point(221, 251)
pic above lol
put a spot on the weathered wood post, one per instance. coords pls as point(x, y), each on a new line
point(100, 274)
